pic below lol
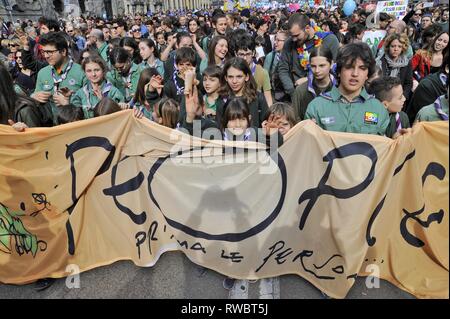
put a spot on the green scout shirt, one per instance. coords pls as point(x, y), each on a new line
point(103, 52)
point(86, 98)
point(271, 62)
point(74, 80)
point(203, 65)
point(158, 65)
point(119, 82)
point(392, 127)
point(332, 112)
point(428, 113)
point(147, 113)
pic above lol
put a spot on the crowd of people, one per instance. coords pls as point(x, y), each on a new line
point(247, 69)
point(237, 72)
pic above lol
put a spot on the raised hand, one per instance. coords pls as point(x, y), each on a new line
point(19, 126)
point(192, 105)
point(272, 124)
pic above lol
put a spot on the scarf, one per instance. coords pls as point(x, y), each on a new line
point(398, 122)
point(394, 66)
point(439, 110)
point(88, 89)
point(58, 79)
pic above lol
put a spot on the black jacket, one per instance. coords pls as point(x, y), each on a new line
point(289, 66)
point(30, 63)
point(28, 112)
point(258, 110)
point(405, 75)
point(429, 89)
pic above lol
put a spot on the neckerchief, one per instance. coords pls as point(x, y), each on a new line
point(127, 80)
point(58, 79)
point(311, 79)
point(439, 111)
point(86, 89)
point(253, 69)
point(398, 122)
point(180, 90)
point(443, 78)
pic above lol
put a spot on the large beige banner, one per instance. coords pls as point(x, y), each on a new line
point(328, 206)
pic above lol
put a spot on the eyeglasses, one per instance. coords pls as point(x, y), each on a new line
point(136, 30)
point(70, 31)
point(114, 27)
point(49, 52)
point(13, 45)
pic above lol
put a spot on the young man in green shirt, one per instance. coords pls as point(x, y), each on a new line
point(348, 107)
point(61, 78)
point(438, 111)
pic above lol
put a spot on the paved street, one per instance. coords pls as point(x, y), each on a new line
point(174, 276)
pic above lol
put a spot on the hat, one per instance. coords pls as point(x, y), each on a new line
point(245, 13)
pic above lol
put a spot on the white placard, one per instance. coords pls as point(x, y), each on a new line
point(394, 8)
point(373, 37)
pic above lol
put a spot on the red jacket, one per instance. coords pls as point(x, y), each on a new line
point(421, 66)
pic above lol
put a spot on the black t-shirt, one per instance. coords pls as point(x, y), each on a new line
point(26, 83)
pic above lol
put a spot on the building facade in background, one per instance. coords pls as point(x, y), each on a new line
point(33, 9)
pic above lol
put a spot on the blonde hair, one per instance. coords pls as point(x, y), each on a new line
point(16, 41)
point(402, 38)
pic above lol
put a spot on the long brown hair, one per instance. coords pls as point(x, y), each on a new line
point(212, 49)
point(144, 78)
point(106, 106)
point(249, 91)
point(168, 110)
point(402, 38)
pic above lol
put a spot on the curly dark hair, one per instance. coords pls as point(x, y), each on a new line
point(349, 53)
